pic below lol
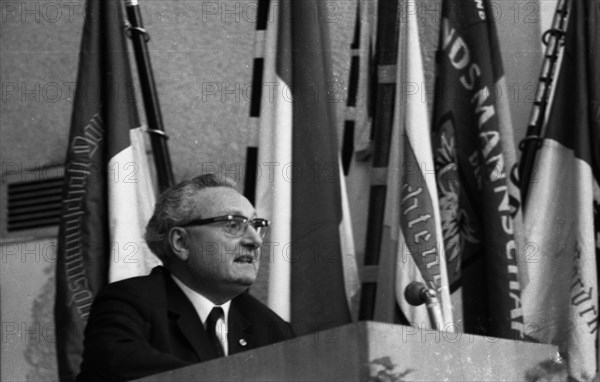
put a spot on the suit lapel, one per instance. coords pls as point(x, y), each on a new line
point(241, 334)
point(183, 313)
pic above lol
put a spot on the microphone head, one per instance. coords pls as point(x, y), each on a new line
point(415, 293)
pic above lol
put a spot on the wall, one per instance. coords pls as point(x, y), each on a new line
point(27, 324)
point(202, 55)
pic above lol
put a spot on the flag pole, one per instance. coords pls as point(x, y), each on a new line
point(386, 56)
point(158, 137)
point(553, 39)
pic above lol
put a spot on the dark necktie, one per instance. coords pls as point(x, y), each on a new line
point(211, 330)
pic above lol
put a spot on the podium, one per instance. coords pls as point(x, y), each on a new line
point(372, 351)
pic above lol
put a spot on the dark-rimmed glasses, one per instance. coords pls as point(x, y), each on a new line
point(234, 225)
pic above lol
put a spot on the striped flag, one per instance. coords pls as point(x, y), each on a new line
point(313, 278)
point(475, 161)
point(412, 213)
point(561, 215)
point(107, 183)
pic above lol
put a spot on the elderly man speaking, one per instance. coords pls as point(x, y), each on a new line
point(194, 308)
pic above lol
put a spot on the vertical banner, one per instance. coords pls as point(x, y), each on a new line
point(318, 290)
point(101, 168)
point(412, 211)
point(273, 190)
point(475, 166)
point(313, 277)
point(561, 216)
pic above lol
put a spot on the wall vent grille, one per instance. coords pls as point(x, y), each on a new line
point(33, 205)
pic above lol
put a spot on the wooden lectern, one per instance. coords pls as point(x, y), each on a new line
point(372, 351)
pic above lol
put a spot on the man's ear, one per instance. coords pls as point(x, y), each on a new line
point(178, 240)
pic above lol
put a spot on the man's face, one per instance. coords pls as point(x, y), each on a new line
point(218, 259)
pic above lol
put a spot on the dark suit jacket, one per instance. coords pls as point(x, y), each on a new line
point(146, 325)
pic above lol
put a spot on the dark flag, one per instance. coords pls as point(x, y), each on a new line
point(475, 159)
point(313, 276)
point(561, 215)
point(319, 296)
point(102, 175)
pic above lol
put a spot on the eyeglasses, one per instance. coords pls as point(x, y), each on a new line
point(235, 225)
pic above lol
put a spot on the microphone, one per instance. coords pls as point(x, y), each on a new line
point(417, 293)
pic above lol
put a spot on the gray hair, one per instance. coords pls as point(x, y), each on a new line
point(175, 206)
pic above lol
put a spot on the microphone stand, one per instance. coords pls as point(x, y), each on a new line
point(417, 293)
point(434, 309)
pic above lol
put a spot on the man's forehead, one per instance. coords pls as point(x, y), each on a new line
point(217, 201)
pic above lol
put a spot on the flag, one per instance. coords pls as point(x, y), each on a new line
point(560, 299)
point(474, 162)
point(412, 217)
point(106, 182)
point(357, 146)
point(359, 100)
point(313, 278)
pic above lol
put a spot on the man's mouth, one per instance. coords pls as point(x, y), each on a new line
point(244, 259)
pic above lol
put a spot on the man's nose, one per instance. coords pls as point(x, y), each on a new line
point(251, 238)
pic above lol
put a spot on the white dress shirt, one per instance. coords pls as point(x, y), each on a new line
point(203, 307)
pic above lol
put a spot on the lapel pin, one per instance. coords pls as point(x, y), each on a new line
point(243, 342)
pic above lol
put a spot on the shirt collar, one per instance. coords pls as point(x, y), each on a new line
point(201, 304)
